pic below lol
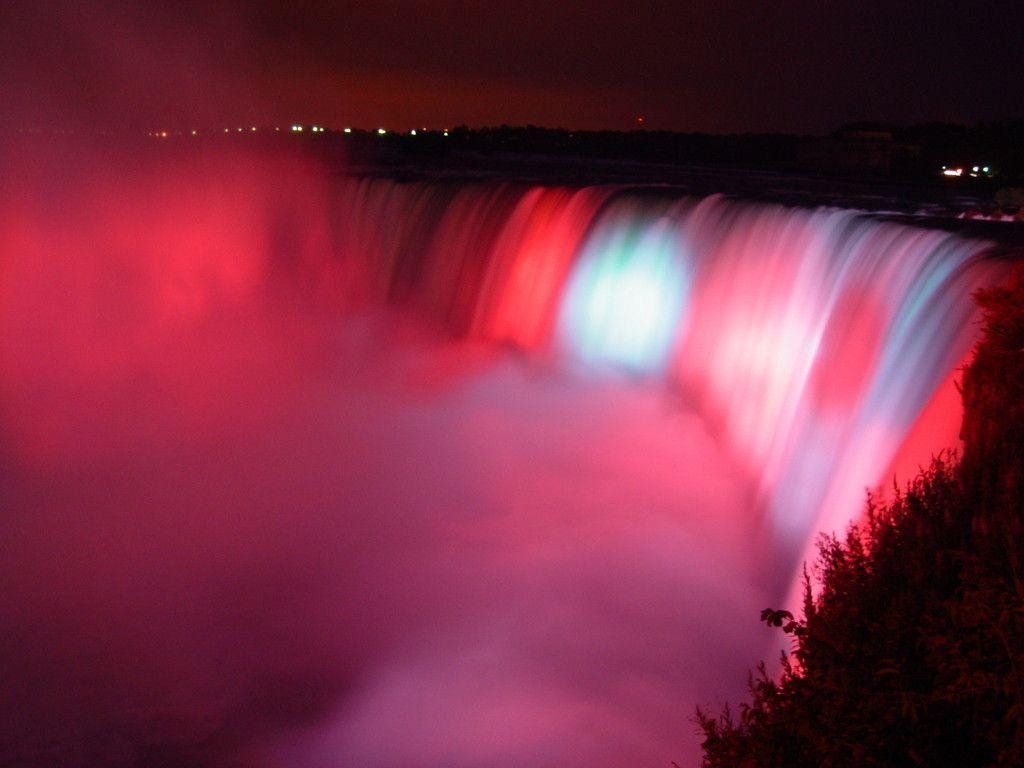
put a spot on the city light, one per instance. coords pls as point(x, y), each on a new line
point(348, 130)
point(974, 171)
point(381, 131)
point(412, 132)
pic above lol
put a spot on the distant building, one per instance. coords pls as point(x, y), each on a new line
point(856, 148)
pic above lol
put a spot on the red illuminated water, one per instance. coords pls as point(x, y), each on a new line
point(317, 471)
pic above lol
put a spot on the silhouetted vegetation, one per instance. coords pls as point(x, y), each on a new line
point(878, 154)
point(911, 649)
point(915, 152)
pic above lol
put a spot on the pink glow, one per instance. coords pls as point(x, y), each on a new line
point(297, 469)
point(531, 264)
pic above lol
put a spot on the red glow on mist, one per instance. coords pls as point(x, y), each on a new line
point(531, 265)
point(150, 281)
point(291, 515)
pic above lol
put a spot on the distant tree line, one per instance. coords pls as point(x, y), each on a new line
point(641, 145)
point(1000, 144)
point(910, 648)
point(924, 149)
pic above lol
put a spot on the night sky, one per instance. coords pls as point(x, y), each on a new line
point(740, 66)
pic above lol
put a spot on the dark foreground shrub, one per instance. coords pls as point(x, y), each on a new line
point(911, 652)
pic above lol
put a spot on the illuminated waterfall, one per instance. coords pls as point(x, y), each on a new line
point(318, 455)
point(811, 340)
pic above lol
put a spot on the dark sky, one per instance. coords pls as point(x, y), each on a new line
point(739, 65)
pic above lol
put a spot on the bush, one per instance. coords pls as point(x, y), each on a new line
point(912, 650)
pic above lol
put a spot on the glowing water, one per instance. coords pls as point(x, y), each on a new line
point(811, 340)
point(299, 471)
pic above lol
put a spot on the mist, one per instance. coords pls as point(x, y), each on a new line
point(250, 519)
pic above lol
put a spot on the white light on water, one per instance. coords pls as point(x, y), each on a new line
point(624, 303)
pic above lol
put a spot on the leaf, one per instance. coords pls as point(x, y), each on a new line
point(775, 618)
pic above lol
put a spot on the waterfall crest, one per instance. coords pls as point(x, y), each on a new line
point(810, 339)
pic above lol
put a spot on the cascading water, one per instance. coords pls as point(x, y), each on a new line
point(811, 340)
point(307, 471)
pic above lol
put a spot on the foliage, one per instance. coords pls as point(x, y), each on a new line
point(912, 650)
point(1010, 197)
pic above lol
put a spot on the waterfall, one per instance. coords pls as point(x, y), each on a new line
point(310, 470)
point(811, 340)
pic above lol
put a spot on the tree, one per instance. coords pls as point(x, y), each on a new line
point(912, 650)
